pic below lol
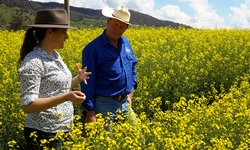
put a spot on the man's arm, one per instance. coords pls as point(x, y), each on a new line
point(89, 61)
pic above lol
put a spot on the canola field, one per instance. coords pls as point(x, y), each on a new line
point(193, 91)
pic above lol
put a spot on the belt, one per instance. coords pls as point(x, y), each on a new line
point(120, 97)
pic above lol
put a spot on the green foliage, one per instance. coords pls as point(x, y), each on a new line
point(177, 63)
point(89, 23)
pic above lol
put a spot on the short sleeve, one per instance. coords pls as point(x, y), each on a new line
point(30, 73)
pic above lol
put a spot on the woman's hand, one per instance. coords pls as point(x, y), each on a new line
point(83, 75)
point(76, 97)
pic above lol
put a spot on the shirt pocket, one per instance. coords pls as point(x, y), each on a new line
point(129, 60)
point(129, 57)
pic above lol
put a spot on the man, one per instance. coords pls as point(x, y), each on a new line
point(112, 62)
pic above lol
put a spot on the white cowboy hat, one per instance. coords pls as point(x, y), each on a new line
point(120, 13)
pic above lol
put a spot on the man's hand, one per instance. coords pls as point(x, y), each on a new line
point(90, 116)
point(130, 96)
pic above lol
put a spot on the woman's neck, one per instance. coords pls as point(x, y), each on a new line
point(47, 48)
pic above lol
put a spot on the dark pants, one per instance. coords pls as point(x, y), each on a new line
point(35, 144)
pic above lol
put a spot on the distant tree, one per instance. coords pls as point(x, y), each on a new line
point(16, 22)
point(3, 21)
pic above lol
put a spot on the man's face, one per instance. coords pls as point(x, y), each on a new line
point(116, 28)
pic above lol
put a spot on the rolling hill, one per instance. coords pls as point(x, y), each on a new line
point(81, 17)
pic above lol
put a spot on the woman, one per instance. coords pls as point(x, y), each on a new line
point(45, 81)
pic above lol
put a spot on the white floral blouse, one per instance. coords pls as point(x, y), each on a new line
point(42, 75)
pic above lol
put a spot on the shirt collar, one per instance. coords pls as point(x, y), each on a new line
point(44, 54)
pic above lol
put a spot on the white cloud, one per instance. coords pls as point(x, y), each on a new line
point(241, 15)
point(144, 6)
point(172, 13)
point(205, 16)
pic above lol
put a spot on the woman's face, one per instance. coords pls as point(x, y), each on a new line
point(59, 36)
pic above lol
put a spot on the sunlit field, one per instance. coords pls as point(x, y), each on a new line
point(193, 91)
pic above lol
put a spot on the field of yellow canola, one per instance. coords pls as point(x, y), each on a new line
point(193, 91)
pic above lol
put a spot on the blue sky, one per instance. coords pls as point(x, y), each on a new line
point(196, 13)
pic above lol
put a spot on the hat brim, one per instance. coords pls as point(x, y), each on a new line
point(107, 12)
point(51, 26)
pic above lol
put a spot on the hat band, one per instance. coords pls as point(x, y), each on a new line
point(52, 23)
point(119, 18)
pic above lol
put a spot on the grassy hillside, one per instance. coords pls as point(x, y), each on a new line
point(86, 22)
point(7, 15)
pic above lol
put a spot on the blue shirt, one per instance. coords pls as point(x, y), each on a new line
point(113, 70)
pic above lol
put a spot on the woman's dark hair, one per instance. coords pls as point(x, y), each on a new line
point(32, 38)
